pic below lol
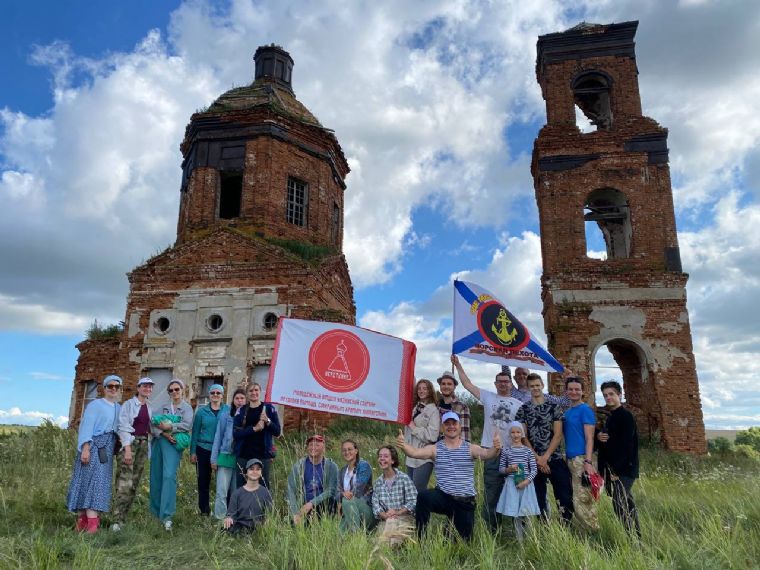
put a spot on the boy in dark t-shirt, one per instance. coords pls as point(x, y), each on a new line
point(543, 425)
point(249, 503)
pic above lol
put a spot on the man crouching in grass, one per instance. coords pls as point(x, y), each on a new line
point(249, 503)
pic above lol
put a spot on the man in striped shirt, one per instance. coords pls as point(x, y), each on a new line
point(499, 409)
point(454, 494)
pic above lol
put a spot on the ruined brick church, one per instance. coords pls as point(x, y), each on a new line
point(260, 235)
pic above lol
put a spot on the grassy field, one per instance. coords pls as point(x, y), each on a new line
point(695, 513)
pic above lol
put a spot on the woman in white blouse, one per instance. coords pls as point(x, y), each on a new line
point(421, 431)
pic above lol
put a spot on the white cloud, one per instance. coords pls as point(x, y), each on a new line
point(47, 376)
point(512, 275)
point(15, 314)
point(420, 96)
point(30, 418)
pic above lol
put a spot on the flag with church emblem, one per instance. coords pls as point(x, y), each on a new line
point(340, 369)
point(484, 329)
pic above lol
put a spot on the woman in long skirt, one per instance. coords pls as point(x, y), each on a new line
point(90, 488)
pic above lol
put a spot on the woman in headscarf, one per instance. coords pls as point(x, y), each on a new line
point(172, 422)
point(90, 488)
point(354, 489)
point(223, 456)
point(421, 431)
point(204, 430)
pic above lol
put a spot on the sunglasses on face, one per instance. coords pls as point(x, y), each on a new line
point(215, 393)
point(113, 387)
point(174, 390)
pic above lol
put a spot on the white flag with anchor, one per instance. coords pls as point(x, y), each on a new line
point(484, 329)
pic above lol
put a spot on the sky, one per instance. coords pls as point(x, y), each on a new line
point(436, 106)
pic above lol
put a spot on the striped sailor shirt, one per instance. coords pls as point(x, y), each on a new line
point(455, 469)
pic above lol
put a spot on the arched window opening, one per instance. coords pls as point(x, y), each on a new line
point(625, 362)
point(607, 211)
point(335, 225)
point(591, 92)
point(605, 368)
point(231, 191)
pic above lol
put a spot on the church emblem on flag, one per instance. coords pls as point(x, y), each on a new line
point(339, 360)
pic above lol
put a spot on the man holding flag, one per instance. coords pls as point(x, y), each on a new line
point(484, 329)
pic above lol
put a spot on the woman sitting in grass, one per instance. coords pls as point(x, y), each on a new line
point(249, 503)
point(354, 489)
point(393, 499)
point(518, 497)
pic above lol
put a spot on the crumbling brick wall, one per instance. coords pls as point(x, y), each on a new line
point(634, 302)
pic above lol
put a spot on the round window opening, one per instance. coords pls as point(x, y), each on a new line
point(214, 323)
point(162, 325)
point(270, 321)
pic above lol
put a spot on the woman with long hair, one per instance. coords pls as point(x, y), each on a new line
point(354, 489)
point(90, 488)
point(422, 430)
point(223, 457)
point(172, 422)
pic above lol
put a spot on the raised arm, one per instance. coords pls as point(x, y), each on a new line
point(485, 453)
point(466, 382)
point(427, 452)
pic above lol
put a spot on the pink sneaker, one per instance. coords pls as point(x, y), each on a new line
point(92, 525)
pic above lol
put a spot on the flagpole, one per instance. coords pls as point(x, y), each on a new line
point(453, 316)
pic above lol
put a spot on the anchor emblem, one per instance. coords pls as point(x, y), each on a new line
point(502, 333)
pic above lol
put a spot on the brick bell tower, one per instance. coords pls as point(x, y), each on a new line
point(259, 236)
point(613, 179)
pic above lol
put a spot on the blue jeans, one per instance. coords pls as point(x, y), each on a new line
point(225, 477)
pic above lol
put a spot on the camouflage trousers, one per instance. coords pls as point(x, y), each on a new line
point(583, 501)
point(128, 478)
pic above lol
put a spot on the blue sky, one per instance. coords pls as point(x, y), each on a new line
point(436, 107)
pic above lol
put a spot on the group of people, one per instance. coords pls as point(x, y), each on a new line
point(523, 432)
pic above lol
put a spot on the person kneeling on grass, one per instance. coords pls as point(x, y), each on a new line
point(518, 497)
point(454, 495)
point(312, 483)
point(393, 499)
point(249, 503)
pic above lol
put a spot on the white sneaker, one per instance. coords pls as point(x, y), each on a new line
point(168, 525)
point(115, 527)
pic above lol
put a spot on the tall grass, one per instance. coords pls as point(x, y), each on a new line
point(695, 513)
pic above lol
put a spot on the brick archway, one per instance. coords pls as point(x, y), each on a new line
point(637, 379)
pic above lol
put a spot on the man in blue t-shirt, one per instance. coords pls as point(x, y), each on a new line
point(578, 425)
point(312, 483)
